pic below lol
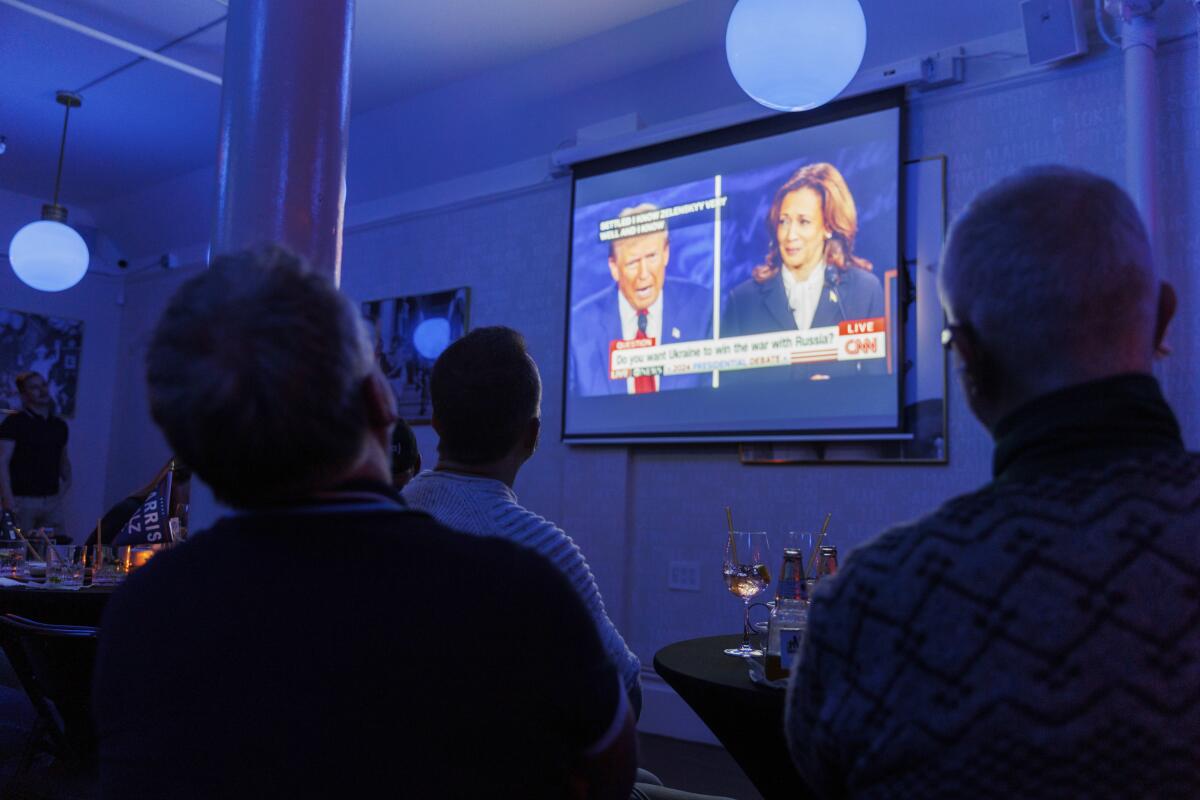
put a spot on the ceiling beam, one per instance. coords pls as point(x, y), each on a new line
point(145, 53)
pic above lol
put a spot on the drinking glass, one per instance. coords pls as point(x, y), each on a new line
point(746, 575)
point(806, 543)
point(12, 560)
point(65, 566)
point(106, 570)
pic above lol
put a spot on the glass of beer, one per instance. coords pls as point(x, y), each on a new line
point(746, 575)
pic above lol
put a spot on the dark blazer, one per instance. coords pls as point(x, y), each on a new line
point(755, 307)
point(596, 321)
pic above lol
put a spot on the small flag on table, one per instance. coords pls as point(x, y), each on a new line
point(148, 525)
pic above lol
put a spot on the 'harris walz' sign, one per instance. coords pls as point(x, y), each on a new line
point(148, 525)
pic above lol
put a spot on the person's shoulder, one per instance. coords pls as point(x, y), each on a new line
point(9, 421)
point(686, 287)
point(752, 287)
point(859, 278)
point(596, 301)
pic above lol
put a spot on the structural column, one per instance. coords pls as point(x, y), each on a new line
point(285, 102)
point(1139, 41)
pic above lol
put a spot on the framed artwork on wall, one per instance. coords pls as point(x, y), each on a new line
point(50, 346)
point(410, 333)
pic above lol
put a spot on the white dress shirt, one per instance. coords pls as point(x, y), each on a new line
point(629, 327)
point(804, 296)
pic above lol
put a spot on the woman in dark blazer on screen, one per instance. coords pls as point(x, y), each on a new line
point(812, 278)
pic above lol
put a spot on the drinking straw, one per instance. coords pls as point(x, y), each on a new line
point(732, 543)
point(42, 533)
point(812, 557)
point(28, 546)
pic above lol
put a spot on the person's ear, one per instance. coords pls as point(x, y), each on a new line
point(532, 432)
point(975, 369)
point(614, 269)
point(382, 411)
point(1168, 301)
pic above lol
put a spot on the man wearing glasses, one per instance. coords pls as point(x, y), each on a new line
point(1038, 637)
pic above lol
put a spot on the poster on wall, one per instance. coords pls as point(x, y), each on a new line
point(50, 346)
point(410, 333)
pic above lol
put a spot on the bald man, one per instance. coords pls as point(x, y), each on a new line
point(1037, 637)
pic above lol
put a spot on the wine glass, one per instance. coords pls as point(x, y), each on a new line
point(746, 575)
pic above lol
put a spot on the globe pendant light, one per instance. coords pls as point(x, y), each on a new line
point(793, 55)
point(47, 254)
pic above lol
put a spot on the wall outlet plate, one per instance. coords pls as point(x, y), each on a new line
point(684, 576)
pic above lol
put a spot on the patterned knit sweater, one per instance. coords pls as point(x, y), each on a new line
point(1037, 638)
point(487, 507)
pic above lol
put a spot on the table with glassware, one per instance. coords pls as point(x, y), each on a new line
point(713, 674)
point(63, 584)
point(747, 718)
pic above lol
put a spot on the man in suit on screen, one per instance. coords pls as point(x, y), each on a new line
point(642, 303)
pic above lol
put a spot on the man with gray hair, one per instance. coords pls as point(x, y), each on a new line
point(287, 651)
point(1037, 637)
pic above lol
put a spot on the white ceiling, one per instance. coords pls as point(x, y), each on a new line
point(149, 123)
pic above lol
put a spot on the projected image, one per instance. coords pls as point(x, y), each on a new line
point(410, 333)
point(736, 278)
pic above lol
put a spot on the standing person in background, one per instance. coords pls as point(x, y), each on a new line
point(35, 472)
point(1038, 637)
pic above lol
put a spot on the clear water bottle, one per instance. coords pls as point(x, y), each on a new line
point(789, 617)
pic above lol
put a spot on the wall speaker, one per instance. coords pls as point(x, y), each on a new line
point(1054, 30)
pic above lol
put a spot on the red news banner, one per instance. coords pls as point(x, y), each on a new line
point(852, 340)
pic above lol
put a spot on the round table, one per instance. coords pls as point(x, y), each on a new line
point(56, 606)
point(745, 717)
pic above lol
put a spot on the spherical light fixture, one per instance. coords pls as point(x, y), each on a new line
point(793, 55)
point(47, 254)
point(432, 337)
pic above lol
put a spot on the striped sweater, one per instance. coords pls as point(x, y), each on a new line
point(487, 507)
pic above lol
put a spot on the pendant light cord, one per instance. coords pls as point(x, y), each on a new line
point(62, 149)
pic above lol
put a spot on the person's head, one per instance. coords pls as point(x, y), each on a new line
point(262, 379)
point(34, 391)
point(1048, 280)
point(406, 458)
point(813, 218)
point(487, 398)
point(639, 263)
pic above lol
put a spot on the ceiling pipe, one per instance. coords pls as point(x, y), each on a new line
point(149, 55)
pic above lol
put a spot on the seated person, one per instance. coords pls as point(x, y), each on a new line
point(406, 458)
point(1037, 637)
point(487, 398)
point(291, 649)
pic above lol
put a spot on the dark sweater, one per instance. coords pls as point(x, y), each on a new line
point(337, 653)
point(1037, 638)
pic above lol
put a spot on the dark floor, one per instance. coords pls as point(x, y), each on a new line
point(692, 767)
point(688, 766)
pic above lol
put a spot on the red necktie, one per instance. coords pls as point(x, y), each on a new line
point(643, 383)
